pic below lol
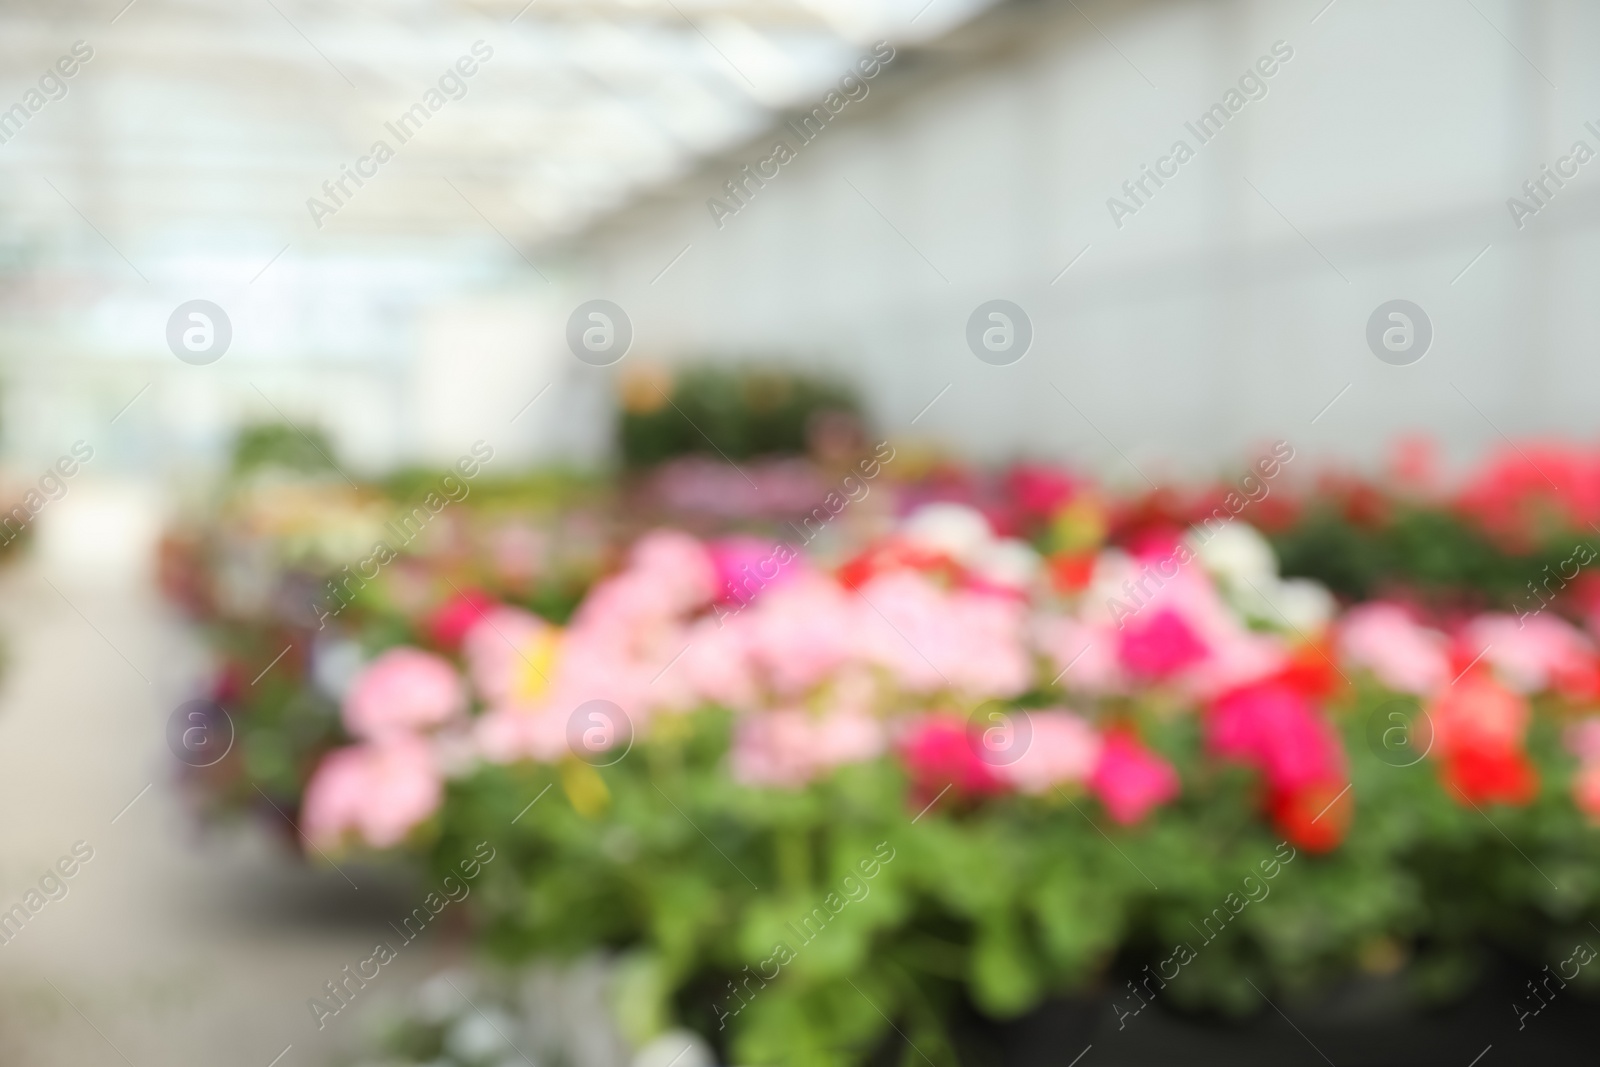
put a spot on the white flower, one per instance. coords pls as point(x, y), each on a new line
point(955, 529)
point(1295, 604)
point(335, 662)
point(1236, 554)
point(437, 1000)
point(479, 1036)
point(1113, 568)
point(1007, 562)
point(675, 1048)
point(1305, 603)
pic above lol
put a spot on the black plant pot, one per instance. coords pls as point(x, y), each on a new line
point(1365, 1024)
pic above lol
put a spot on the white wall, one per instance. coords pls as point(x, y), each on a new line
point(1212, 319)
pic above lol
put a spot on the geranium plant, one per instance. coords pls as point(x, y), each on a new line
point(1054, 780)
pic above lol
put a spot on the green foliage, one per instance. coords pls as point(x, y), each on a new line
point(535, 492)
point(1001, 904)
point(278, 444)
point(1446, 558)
point(745, 411)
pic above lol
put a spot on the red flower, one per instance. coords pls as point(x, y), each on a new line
point(893, 554)
point(1364, 504)
point(1478, 714)
point(1161, 647)
point(1314, 818)
point(1155, 543)
point(1310, 671)
point(1275, 513)
point(229, 684)
point(1071, 571)
point(1579, 681)
point(1478, 726)
point(450, 622)
point(1490, 775)
point(1512, 495)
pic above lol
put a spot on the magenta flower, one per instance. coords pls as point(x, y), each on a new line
point(1279, 732)
point(1130, 780)
point(1040, 490)
point(938, 751)
point(746, 566)
point(1161, 646)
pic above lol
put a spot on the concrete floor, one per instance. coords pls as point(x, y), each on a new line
point(172, 946)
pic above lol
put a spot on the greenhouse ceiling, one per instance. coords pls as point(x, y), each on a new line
point(172, 124)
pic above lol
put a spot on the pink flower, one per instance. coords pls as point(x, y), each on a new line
point(1212, 651)
point(930, 639)
point(1586, 791)
point(508, 735)
point(1236, 658)
point(402, 690)
point(1063, 747)
point(769, 749)
point(379, 791)
point(630, 609)
point(639, 614)
point(1406, 657)
point(533, 723)
point(680, 563)
point(1160, 646)
point(1583, 739)
point(842, 737)
point(707, 486)
point(791, 746)
point(1129, 779)
point(716, 665)
point(591, 668)
point(1530, 654)
point(510, 655)
point(797, 636)
point(1275, 729)
point(1083, 654)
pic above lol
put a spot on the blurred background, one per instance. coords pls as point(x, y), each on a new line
point(601, 150)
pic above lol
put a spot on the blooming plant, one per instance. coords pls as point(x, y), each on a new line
point(1063, 782)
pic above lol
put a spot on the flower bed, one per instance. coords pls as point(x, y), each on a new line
point(283, 577)
point(810, 802)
